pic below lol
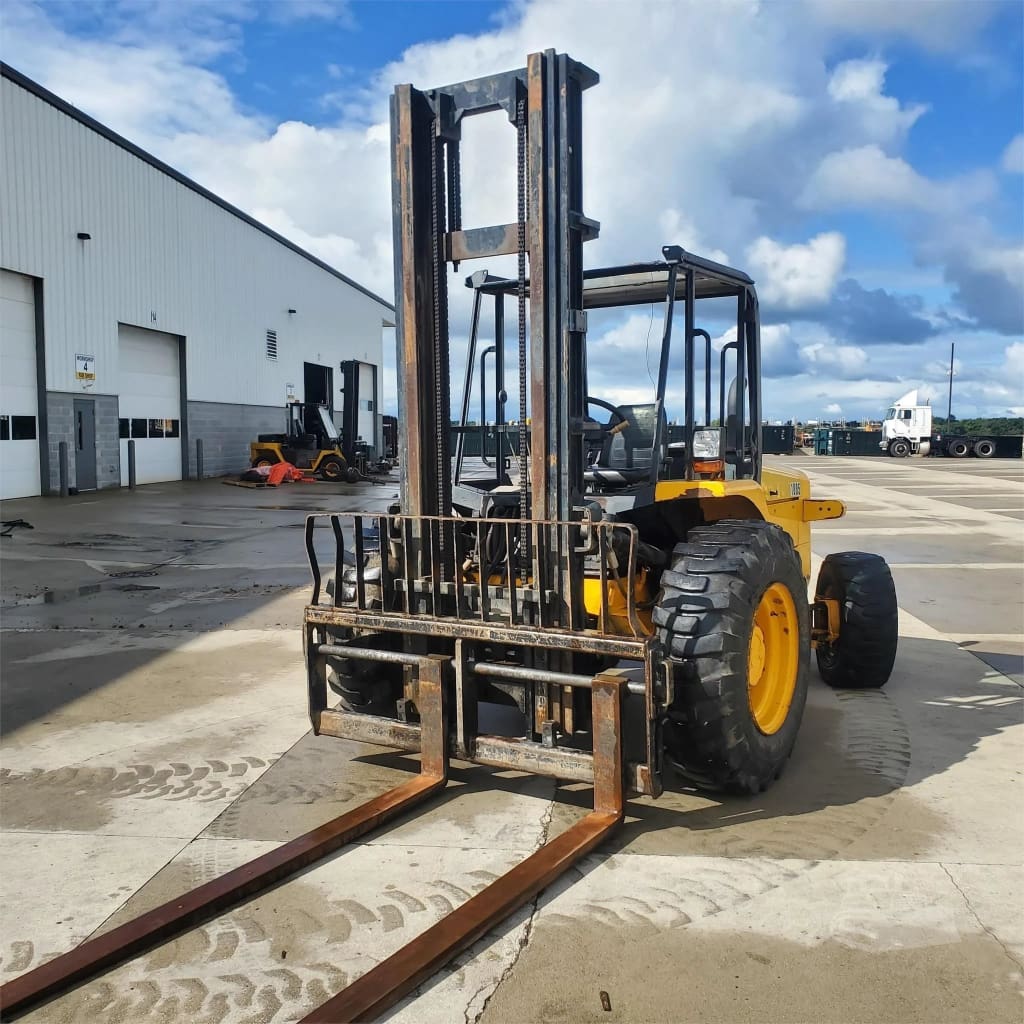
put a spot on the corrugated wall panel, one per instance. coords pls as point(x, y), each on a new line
point(161, 257)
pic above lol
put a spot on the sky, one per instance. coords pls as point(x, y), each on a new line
point(862, 160)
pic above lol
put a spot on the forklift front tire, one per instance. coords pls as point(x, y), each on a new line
point(733, 612)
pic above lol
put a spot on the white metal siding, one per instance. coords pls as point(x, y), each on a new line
point(149, 383)
point(164, 257)
point(19, 459)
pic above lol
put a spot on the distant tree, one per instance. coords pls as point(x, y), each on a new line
point(998, 426)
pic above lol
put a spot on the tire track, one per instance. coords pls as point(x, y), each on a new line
point(190, 978)
point(175, 780)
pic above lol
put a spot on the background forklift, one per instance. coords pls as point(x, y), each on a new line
point(311, 444)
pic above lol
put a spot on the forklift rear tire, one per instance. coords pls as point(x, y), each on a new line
point(263, 460)
point(352, 475)
point(863, 656)
point(733, 613)
point(331, 469)
point(899, 449)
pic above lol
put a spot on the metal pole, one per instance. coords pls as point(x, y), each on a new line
point(688, 403)
point(199, 458)
point(62, 467)
point(131, 465)
point(949, 408)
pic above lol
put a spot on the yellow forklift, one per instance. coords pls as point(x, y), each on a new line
point(311, 444)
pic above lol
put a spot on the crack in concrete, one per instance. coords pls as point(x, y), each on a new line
point(981, 924)
point(545, 828)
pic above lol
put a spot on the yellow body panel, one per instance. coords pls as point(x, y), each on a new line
point(274, 450)
point(617, 609)
point(782, 497)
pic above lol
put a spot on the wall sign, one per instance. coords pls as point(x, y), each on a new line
point(85, 367)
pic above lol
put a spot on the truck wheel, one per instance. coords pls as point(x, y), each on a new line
point(899, 449)
point(369, 687)
point(863, 656)
point(985, 449)
point(331, 469)
point(958, 449)
point(732, 612)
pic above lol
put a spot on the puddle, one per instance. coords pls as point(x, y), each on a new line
point(73, 593)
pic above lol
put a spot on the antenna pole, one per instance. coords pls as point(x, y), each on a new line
point(949, 408)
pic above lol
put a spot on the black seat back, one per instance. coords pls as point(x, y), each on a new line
point(633, 447)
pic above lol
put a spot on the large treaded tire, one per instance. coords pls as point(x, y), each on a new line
point(863, 656)
point(369, 687)
point(705, 616)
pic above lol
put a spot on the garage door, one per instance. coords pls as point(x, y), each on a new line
point(149, 403)
point(19, 401)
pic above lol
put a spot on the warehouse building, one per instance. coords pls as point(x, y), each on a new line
point(135, 304)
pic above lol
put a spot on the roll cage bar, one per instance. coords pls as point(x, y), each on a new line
point(680, 276)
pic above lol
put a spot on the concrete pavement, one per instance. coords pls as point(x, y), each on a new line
point(153, 738)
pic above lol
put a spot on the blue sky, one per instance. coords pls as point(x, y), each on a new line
point(863, 160)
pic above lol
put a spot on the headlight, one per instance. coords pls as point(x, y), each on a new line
point(706, 444)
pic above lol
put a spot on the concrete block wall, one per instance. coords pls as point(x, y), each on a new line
point(226, 431)
point(61, 427)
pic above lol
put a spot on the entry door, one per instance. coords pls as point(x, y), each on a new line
point(85, 444)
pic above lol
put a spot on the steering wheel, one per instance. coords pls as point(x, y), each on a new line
point(620, 422)
point(614, 426)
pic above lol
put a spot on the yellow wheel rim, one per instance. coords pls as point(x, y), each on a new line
point(773, 658)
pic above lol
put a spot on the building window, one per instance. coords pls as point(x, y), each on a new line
point(271, 344)
point(23, 428)
point(156, 428)
point(122, 429)
point(138, 428)
point(171, 428)
point(5, 428)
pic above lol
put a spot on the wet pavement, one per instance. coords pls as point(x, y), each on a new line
point(155, 735)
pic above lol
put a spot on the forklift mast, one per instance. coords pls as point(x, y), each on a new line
point(543, 104)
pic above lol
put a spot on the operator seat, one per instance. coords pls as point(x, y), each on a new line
point(626, 456)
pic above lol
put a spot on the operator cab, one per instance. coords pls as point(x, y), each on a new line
point(629, 448)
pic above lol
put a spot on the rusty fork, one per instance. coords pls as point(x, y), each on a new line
point(135, 937)
point(388, 982)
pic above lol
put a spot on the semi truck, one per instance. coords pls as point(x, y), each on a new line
point(907, 430)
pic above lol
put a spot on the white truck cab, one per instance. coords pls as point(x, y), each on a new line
point(907, 427)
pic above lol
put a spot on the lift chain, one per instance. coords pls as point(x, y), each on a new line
point(524, 483)
point(442, 413)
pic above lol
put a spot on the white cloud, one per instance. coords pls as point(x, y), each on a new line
point(1013, 156)
point(829, 358)
point(1013, 364)
point(937, 25)
point(797, 276)
point(859, 85)
point(833, 409)
point(867, 177)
